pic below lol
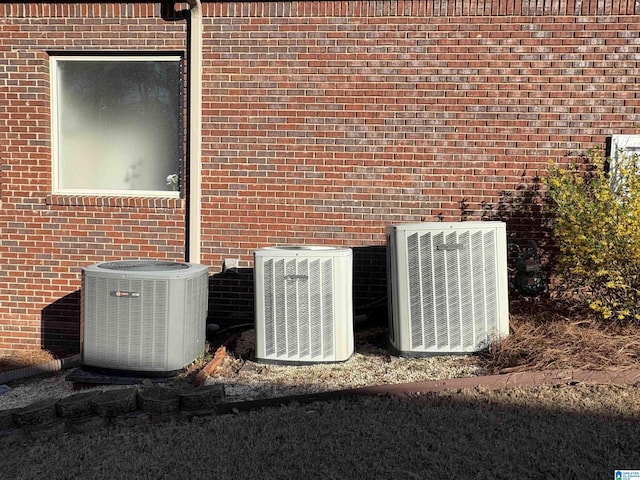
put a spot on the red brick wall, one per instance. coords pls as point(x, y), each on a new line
point(326, 121)
point(323, 122)
point(46, 239)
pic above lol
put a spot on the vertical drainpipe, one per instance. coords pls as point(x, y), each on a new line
point(195, 133)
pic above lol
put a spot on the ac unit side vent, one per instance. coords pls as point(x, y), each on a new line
point(303, 305)
point(447, 284)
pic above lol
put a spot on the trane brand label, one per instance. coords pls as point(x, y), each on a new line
point(123, 293)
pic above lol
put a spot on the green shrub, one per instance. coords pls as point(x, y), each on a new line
point(596, 228)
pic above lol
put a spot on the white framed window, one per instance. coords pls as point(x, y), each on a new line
point(117, 124)
point(624, 149)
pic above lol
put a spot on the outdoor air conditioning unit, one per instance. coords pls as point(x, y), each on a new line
point(303, 304)
point(143, 316)
point(447, 286)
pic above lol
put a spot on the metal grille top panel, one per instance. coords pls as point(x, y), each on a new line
point(144, 266)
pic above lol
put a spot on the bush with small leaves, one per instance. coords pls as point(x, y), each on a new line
point(596, 228)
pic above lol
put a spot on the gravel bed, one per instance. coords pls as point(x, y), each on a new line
point(370, 365)
point(246, 380)
point(43, 387)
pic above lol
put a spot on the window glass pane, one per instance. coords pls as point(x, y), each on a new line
point(118, 124)
point(623, 157)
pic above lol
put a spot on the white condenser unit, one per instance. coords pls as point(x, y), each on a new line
point(144, 317)
point(303, 304)
point(447, 285)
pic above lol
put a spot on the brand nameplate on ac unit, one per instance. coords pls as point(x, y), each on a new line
point(124, 294)
point(450, 246)
point(296, 277)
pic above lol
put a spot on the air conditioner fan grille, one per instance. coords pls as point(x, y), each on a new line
point(298, 313)
point(452, 289)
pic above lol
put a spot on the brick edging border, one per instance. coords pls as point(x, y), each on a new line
point(486, 382)
point(89, 411)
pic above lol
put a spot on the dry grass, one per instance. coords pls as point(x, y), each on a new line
point(548, 336)
point(576, 432)
point(572, 431)
point(24, 358)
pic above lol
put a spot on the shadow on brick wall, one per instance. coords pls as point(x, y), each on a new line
point(524, 211)
point(370, 283)
point(231, 298)
point(60, 325)
point(231, 294)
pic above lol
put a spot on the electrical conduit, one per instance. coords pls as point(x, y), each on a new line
point(48, 367)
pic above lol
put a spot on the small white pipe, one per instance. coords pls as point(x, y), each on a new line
point(195, 132)
point(48, 367)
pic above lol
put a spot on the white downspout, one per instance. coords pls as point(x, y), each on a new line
point(195, 132)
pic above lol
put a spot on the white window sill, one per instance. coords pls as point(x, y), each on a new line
point(114, 201)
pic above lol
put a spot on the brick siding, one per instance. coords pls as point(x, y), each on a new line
point(45, 238)
point(322, 123)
